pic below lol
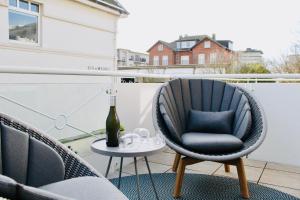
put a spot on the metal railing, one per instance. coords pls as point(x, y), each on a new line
point(60, 71)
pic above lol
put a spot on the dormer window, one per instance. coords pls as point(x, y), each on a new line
point(160, 47)
point(185, 44)
point(207, 44)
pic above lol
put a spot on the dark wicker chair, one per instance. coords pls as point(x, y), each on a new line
point(41, 175)
point(184, 94)
point(74, 165)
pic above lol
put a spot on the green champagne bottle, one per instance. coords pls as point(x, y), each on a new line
point(112, 125)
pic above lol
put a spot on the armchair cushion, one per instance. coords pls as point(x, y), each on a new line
point(211, 143)
point(27, 160)
point(14, 147)
point(210, 122)
point(32, 193)
point(40, 158)
point(90, 188)
point(8, 187)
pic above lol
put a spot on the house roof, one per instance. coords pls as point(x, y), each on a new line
point(225, 43)
point(253, 50)
point(171, 45)
point(191, 38)
point(113, 4)
point(197, 38)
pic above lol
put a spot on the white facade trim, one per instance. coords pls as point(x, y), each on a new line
point(66, 39)
point(39, 49)
point(115, 56)
point(2, 4)
point(77, 23)
point(101, 7)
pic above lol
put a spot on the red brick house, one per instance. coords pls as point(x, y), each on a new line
point(189, 50)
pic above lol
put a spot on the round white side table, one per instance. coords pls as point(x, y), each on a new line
point(138, 147)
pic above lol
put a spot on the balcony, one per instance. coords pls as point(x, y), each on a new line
point(72, 105)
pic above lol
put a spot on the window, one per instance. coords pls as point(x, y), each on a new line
point(184, 45)
point(24, 5)
point(13, 3)
point(34, 7)
point(165, 60)
point(207, 44)
point(160, 47)
point(23, 17)
point(156, 60)
point(213, 58)
point(188, 44)
point(192, 43)
point(230, 45)
point(185, 60)
point(201, 59)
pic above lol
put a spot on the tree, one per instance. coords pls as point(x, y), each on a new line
point(288, 63)
point(253, 69)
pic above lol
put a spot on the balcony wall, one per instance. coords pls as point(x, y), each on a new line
point(71, 106)
point(61, 106)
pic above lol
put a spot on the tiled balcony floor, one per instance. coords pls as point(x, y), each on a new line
point(281, 177)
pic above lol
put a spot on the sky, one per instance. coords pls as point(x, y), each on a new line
point(268, 25)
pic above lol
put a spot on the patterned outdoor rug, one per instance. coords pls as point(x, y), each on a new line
point(196, 187)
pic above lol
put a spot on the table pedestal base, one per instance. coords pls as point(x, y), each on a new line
point(136, 174)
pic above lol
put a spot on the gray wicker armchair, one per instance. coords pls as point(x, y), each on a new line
point(171, 108)
point(36, 166)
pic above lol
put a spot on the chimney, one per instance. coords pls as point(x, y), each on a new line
point(214, 36)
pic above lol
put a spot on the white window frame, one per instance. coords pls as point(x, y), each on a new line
point(27, 12)
point(201, 59)
point(155, 60)
point(183, 60)
point(160, 47)
point(213, 58)
point(165, 60)
point(207, 44)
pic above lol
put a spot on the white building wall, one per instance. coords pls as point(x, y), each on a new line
point(73, 35)
point(250, 57)
point(67, 38)
point(127, 58)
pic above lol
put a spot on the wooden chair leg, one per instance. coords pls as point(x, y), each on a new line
point(227, 168)
point(176, 162)
point(242, 179)
point(179, 178)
